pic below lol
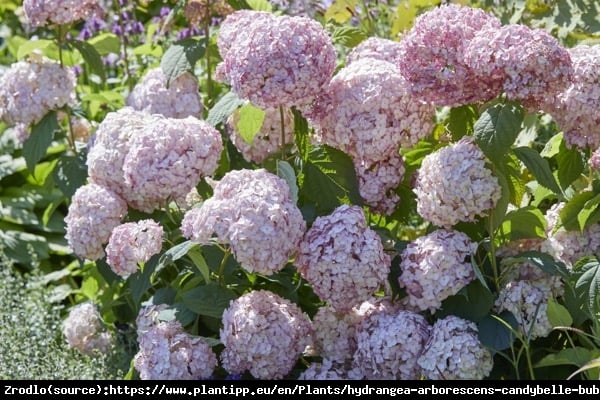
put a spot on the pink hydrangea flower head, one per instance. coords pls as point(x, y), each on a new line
point(377, 48)
point(149, 316)
point(169, 160)
point(29, 89)
point(433, 58)
point(93, 214)
point(454, 184)
point(334, 333)
point(83, 330)
point(61, 12)
point(454, 352)
point(263, 333)
point(253, 212)
point(343, 259)
point(268, 139)
point(167, 352)
point(390, 344)
point(236, 23)
point(531, 64)
point(180, 100)
point(282, 61)
point(575, 110)
point(435, 267)
point(594, 160)
point(366, 111)
point(131, 243)
point(376, 183)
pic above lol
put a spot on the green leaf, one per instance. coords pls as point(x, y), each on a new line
point(541, 260)
point(588, 213)
point(260, 5)
point(577, 356)
point(461, 121)
point(36, 145)
point(473, 302)
point(570, 165)
point(32, 45)
point(175, 253)
point(588, 282)
point(208, 300)
point(195, 254)
point(286, 172)
point(348, 36)
point(570, 213)
point(250, 120)
point(140, 281)
point(552, 146)
point(106, 43)
point(558, 315)
point(91, 57)
point(499, 212)
point(239, 4)
point(224, 108)
point(497, 128)
point(495, 331)
point(538, 167)
point(522, 223)
point(301, 134)
point(329, 180)
point(340, 11)
point(70, 174)
point(181, 57)
point(18, 246)
point(406, 12)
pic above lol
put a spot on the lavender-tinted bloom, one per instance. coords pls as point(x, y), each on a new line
point(377, 48)
point(453, 185)
point(342, 258)
point(263, 333)
point(83, 330)
point(45, 12)
point(433, 56)
point(376, 183)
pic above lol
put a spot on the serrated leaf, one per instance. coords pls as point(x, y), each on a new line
point(348, 36)
point(569, 214)
point(224, 108)
point(473, 302)
point(70, 174)
point(195, 254)
point(588, 283)
point(36, 145)
point(570, 356)
point(495, 330)
point(497, 128)
point(522, 223)
point(175, 253)
point(140, 281)
point(106, 43)
point(208, 300)
point(91, 57)
point(538, 167)
point(541, 260)
point(181, 57)
point(570, 165)
point(461, 121)
point(498, 213)
point(558, 315)
point(340, 11)
point(250, 120)
point(286, 172)
point(32, 45)
point(260, 5)
point(301, 134)
point(589, 208)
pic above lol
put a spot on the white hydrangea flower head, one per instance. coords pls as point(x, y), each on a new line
point(435, 267)
point(30, 89)
point(453, 184)
point(169, 160)
point(568, 246)
point(326, 370)
point(334, 333)
point(433, 56)
point(377, 181)
point(390, 344)
point(530, 63)
point(278, 61)
point(167, 352)
point(83, 330)
point(454, 352)
point(253, 212)
point(359, 113)
point(61, 12)
point(131, 243)
point(575, 111)
point(180, 100)
point(377, 48)
point(528, 303)
point(343, 259)
point(93, 214)
point(264, 334)
point(268, 139)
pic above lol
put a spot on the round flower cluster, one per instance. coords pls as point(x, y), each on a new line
point(169, 160)
point(528, 303)
point(366, 112)
point(569, 246)
point(263, 333)
point(131, 243)
point(454, 352)
point(377, 48)
point(93, 214)
point(252, 210)
point(168, 352)
point(180, 99)
point(151, 159)
point(44, 12)
point(433, 56)
point(342, 258)
point(28, 90)
point(268, 139)
point(435, 267)
point(279, 61)
point(453, 185)
point(575, 112)
point(376, 183)
point(530, 64)
point(230, 28)
point(334, 333)
point(388, 345)
point(83, 330)
point(594, 160)
point(148, 317)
